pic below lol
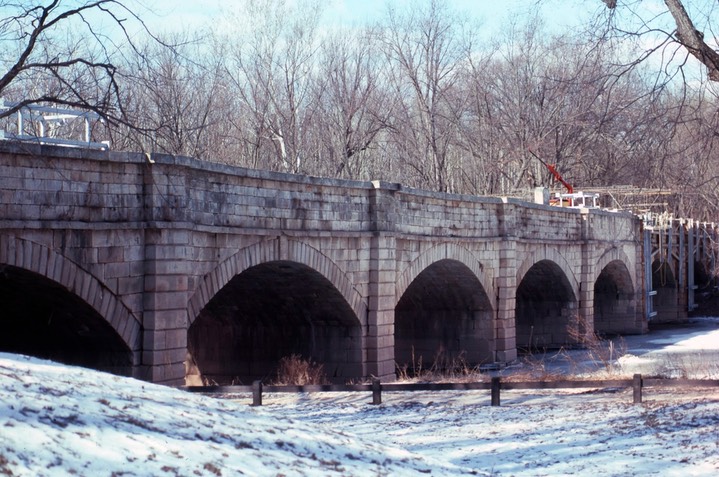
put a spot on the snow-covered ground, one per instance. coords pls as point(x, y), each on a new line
point(689, 350)
point(60, 421)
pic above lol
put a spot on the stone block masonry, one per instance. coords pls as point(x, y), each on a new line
point(199, 271)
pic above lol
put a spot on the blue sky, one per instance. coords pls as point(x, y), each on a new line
point(492, 13)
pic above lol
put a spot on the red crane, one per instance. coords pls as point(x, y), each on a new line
point(553, 170)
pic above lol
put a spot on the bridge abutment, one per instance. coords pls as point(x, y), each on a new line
point(381, 307)
point(168, 266)
point(506, 283)
point(585, 328)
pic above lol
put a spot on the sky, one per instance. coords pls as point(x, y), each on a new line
point(60, 421)
point(491, 16)
point(359, 12)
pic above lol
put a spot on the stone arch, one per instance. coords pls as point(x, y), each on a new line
point(704, 274)
point(272, 250)
point(705, 237)
point(665, 284)
point(613, 255)
point(38, 259)
point(703, 265)
point(274, 300)
point(552, 255)
point(444, 313)
point(666, 269)
point(446, 251)
point(615, 304)
point(546, 307)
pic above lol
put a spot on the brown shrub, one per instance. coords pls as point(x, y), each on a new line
point(294, 370)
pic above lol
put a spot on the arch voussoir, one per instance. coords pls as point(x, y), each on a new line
point(269, 251)
point(38, 258)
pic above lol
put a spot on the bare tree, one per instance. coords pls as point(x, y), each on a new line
point(675, 38)
point(64, 53)
point(272, 71)
point(524, 105)
point(671, 37)
point(692, 39)
point(572, 105)
point(355, 106)
point(173, 97)
point(692, 171)
point(426, 48)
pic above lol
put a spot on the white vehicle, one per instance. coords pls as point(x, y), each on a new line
point(575, 199)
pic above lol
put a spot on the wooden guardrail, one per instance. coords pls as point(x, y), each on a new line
point(495, 385)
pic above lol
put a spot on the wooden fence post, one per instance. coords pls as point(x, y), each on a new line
point(257, 393)
point(376, 391)
point(637, 386)
point(496, 385)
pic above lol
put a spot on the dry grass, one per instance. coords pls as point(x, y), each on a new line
point(701, 365)
point(534, 368)
point(443, 368)
point(601, 351)
point(294, 370)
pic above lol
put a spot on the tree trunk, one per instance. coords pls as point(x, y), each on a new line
point(692, 39)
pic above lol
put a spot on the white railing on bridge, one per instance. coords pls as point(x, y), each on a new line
point(43, 121)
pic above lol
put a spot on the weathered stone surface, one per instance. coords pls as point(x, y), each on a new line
point(161, 250)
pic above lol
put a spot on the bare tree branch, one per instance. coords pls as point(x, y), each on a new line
point(45, 70)
point(692, 39)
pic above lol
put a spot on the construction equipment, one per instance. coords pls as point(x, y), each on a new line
point(570, 198)
point(553, 170)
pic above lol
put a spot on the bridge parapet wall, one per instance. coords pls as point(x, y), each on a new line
point(214, 195)
point(527, 221)
point(609, 226)
point(50, 184)
point(462, 216)
point(443, 215)
point(72, 185)
point(54, 185)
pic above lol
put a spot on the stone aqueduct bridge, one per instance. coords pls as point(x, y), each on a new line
point(167, 268)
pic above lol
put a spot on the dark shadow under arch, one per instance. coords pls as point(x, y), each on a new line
point(615, 305)
point(444, 318)
point(42, 318)
point(667, 297)
point(546, 314)
point(268, 312)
